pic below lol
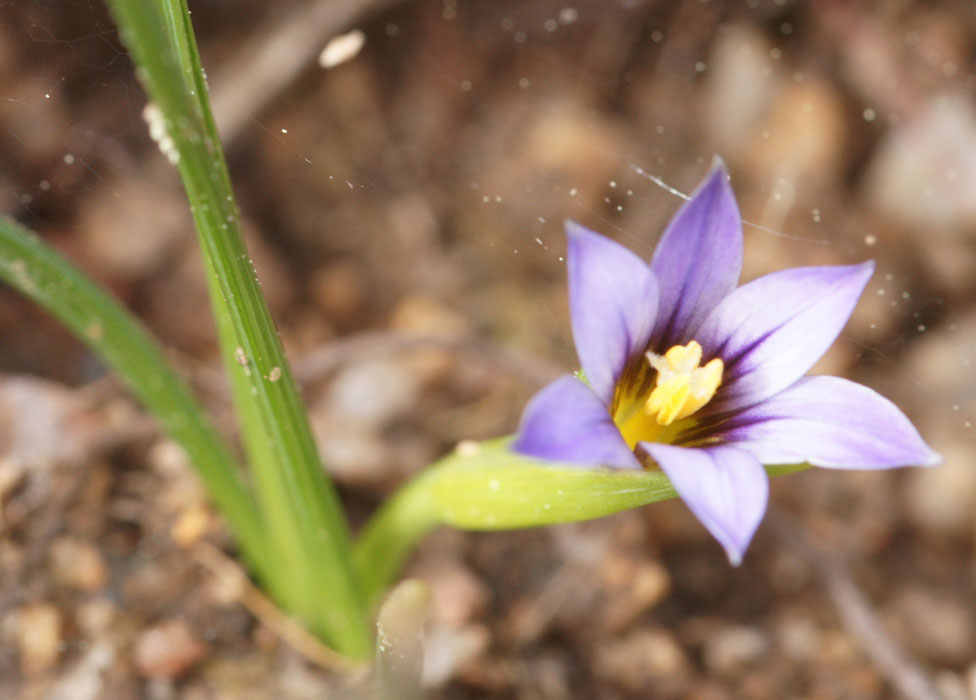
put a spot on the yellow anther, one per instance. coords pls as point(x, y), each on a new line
point(682, 387)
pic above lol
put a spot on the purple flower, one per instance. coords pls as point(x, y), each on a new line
point(688, 373)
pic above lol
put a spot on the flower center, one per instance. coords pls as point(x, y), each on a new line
point(682, 386)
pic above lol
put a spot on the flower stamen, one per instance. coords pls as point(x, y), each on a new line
point(682, 387)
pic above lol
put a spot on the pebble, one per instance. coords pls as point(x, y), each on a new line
point(732, 649)
point(167, 650)
point(85, 680)
point(632, 587)
point(95, 616)
point(77, 564)
point(906, 177)
point(943, 499)
point(191, 524)
point(38, 631)
point(371, 393)
point(448, 650)
point(938, 627)
point(799, 638)
point(340, 290)
point(644, 660)
point(458, 596)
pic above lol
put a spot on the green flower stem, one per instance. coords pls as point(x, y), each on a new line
point(306, 529)
point(38, 272)
point(488, 487)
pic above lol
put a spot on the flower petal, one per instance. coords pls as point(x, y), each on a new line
point(613, 302)
point(830, 422)
point(698, 260)
point(770, 331)
point(725, 487)
point(567, 422)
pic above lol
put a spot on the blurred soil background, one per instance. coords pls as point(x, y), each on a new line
point(418, 189)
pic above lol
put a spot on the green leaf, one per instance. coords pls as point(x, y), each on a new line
point(486, 486)
point(306, 529)
point(37, 271)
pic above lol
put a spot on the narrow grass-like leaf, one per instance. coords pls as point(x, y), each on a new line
point(305, 525)
point(37, 271)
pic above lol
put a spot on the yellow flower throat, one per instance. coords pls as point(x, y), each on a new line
point(681, 388)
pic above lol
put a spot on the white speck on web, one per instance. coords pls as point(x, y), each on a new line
point(342, 48)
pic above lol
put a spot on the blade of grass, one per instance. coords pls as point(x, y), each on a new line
point(301, 511)
point(37, 271)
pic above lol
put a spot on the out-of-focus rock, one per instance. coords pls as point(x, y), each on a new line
point(424, 315)
point(38, 630)
point(971, 680)
point(95, 616)
point(116, 232)
point(739, 87)
point(798, 638)
point(943, 499)
point(77, 564)
point(631, 587)
point(730, 650)
point(645, 660)
point(448, 650)
point(457, 595)
point(339, 290)
point(951, 686)
point(937, 627)
point(924, 170)
point(41, 423)
point(779, 131)
point(353, 455)
point(12, 475)
point(191, 525)
point(84, 680)
point(944, 362)
point(371, 393)
point(167, 650)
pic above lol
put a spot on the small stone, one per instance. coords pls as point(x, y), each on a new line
point(938, 627)
point(95, 616)
point(354, 456)
point(77, 564)
point(631, 587)
point(167, 650)
point(458, 596)
point(12, 475)
point(38, 633)
point(339, 289)
point(732, 649)
point(645, 660)
point(799, 638)
point(951, 686)
point(449, 650)
point(943, 499)
point(85, 679)
point(906, 177)
point(191, 525)
point(372, 393)
point(971, 680)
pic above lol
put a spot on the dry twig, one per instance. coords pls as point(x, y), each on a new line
point(229, 573)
